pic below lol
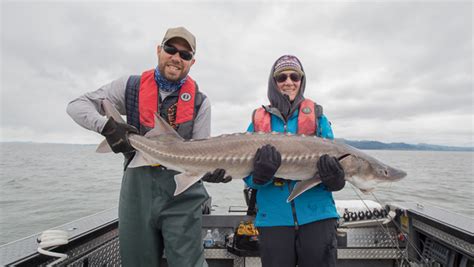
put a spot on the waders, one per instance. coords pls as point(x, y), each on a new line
point(152, 220)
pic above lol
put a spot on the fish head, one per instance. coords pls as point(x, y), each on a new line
point(365, 172)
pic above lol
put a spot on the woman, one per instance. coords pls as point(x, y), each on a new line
point(302, 232)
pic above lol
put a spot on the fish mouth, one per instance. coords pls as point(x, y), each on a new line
point(365, 185)
point(367, 190)
point(368, 183)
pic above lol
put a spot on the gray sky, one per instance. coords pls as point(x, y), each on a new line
point(391, 72)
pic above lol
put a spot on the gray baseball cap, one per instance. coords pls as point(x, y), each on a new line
point(183, 33)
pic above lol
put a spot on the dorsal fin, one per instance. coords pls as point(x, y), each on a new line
point(163, 131)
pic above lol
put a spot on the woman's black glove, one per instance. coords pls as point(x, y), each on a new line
point(331, 173)
point(266, 163)
point(216, 177)
point(116, 134)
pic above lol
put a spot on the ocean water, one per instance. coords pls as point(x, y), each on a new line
point(46, 185)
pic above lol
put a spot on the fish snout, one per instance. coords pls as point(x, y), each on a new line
point(394, 174)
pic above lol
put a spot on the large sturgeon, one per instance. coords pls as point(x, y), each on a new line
point(235, 153)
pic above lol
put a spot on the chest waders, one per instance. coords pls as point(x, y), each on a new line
point(151, 219)
point(153, 222)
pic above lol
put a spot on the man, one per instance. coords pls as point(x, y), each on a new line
point(302, 232)
point(151, 220)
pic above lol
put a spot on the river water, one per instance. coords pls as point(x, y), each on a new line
point(46, 185)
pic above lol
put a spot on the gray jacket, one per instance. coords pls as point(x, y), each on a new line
point(86, 110)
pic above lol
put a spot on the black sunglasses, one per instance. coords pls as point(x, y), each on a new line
point(185, 55)
point(295, 77)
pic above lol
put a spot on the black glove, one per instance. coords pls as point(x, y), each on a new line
point(266, 163)
point(116, 134)
point(331, 173)
point(216, 177)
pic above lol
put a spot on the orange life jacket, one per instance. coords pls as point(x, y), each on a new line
point(307, 123)
point(148, 100)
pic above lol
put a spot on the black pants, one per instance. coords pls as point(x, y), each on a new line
point(312, 245)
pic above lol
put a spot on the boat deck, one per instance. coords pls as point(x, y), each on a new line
point(432, 236)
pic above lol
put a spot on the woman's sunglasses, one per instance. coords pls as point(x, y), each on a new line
point(185, 55)
point(295, 77)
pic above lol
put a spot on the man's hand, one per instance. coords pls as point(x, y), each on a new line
point(331, 173)
point(216, 177)
point(116, 134)
point(266, 163)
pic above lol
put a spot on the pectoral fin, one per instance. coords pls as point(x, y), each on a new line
point(303, 186)
point(140, 159)
point(184, 181)
point(103, 147)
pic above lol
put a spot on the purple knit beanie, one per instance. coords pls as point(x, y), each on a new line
point(287, 62)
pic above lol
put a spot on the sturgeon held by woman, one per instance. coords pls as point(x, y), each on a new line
point(235, 153)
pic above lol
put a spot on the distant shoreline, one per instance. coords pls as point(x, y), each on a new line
point(376, 145)
point(363, 144)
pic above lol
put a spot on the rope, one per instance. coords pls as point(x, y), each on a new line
point(385, 229)
point(52, 238)
point(400, 229)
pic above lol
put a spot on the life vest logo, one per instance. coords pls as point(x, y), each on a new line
point(186, 97)
point(306, 110)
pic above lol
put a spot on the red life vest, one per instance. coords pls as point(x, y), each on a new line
point(307, 123)
point(148, 100)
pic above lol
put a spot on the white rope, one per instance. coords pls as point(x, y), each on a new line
point(387, 232)
point(51, 238)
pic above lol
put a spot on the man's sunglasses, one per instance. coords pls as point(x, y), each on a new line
point(185, 55)
point(282, 77)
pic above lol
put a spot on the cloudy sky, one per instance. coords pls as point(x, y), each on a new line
point(392, 72)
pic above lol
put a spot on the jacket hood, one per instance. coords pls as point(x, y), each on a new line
point(279, 100)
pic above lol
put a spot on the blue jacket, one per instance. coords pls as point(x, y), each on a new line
point(313, 205)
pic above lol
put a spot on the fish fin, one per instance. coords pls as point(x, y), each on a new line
point(103, 147)
point(184, 181)
point(111, 111)
point(139, 160)
point(303, 186)
point(163, 131)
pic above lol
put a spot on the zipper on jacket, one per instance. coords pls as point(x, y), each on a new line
point(293, 209)
point(292, 203)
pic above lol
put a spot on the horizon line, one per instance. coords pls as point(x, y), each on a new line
point(452, 146)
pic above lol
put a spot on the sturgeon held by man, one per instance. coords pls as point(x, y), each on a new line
point(235, 153)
